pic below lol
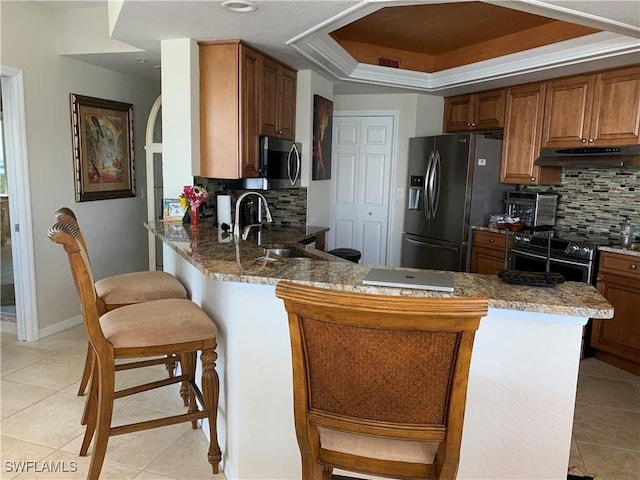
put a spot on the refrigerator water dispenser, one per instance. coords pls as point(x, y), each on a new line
point(416, 185)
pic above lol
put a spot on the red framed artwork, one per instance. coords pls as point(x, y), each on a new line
point(322, 137)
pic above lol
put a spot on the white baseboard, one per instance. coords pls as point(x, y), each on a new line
point(60, 326)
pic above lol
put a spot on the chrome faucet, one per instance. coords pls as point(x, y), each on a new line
point(236, 224)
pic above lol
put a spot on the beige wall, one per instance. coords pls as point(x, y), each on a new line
point(417, 115)
point(318, 192)
point(115, 234)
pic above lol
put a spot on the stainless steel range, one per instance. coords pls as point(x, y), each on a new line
point(572, 255)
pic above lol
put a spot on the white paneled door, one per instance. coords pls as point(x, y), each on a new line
point(362, 160)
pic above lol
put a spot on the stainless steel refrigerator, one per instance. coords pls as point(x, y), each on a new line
point(453, 183)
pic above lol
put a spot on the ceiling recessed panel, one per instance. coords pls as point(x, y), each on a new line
point(434, 37)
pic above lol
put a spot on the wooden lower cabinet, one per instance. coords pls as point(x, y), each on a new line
point(617, 341)
point(487, 252)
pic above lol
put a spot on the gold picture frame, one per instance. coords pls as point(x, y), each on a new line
point(103, 158)
point(172, 210)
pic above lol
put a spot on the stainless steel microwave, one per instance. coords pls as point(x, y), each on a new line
point(280, 162)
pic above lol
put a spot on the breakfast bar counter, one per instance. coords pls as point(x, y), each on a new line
point(522, 379)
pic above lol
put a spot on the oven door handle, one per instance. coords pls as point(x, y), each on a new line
point(544, 257)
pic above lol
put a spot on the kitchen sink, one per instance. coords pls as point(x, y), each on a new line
point(286, 252)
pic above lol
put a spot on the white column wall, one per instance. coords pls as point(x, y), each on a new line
point(180, 114)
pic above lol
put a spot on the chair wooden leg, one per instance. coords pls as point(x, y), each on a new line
point(86, 373)
point(171, 365)
point(106, 388)
point(327, 472)
point(188, 365)
point(312, 470)
point(184, 388)
point(90, 413)
point(210, 392)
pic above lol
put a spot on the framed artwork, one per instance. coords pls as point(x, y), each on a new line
point(322, 133)
point(102, 148)
point(172, 210)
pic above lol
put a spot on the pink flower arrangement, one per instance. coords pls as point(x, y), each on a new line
point(193, 196)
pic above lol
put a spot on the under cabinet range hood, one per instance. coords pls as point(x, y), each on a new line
point(590, 157)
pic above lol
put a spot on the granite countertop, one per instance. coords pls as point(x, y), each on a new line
point(488, 229)
point(623, 251)
point(218, 256)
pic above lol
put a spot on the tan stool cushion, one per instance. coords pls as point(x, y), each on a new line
point(156, 323)
point(138, 287)
point(377, 447)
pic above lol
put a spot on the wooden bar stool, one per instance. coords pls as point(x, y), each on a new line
point(157, 327)
point(379, 382)
point(125, 289)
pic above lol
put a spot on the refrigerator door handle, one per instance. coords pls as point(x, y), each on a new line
point(423, 244)
point(434, 186)
point(427, 189)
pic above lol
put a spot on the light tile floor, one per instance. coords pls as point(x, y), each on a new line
point(606, 425)
point(40, 415)
point(40, 418)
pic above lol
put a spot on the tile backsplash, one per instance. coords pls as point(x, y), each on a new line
point(288, 206)
point(597, 200)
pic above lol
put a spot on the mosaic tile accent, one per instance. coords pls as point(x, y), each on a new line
point(596, 200)
point(288, 206)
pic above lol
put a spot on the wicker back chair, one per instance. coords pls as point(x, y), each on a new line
point(380, 382)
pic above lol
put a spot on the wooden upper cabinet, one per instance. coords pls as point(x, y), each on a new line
point(249, 98)
point(457, 113)
point(288, 112)
point(269, 94)
point(243, 94)
point(595, 110)
point(615, 118)
point(228, 116)
point(524, 108)
point(278, 92)
point(474, 112)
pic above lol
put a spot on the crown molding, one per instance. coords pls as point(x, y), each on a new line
point(330, 56)
point(317, 46)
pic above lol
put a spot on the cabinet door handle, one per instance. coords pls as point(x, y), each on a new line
point(591, 140)
point(533, 179)
point(632, 266)
point(491, 240)
point(583, 140)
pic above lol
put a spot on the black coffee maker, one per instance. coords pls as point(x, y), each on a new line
point(250, 211)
